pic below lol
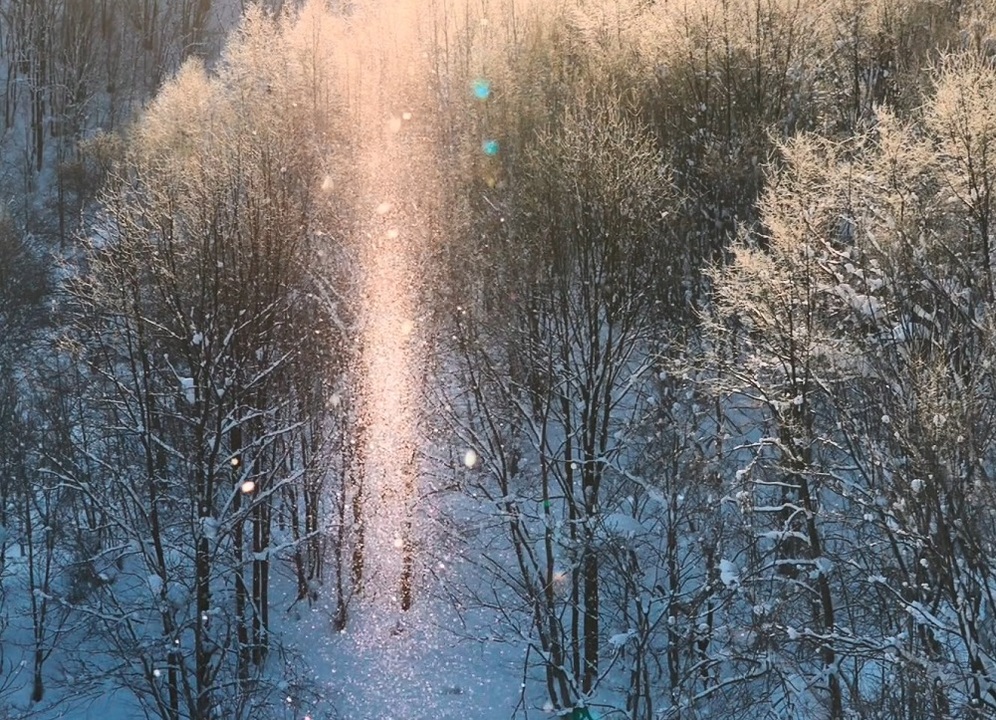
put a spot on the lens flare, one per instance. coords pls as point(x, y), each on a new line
point(481, 89)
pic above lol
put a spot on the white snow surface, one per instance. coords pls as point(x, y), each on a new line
point(189, 390)
point(729, 575)
point(429, 662)
point(394, 664)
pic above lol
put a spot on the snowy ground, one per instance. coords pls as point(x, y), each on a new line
point(391, 665)
point(433, 661)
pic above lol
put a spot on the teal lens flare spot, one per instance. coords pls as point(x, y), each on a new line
point(481, 88)
point(490, 147)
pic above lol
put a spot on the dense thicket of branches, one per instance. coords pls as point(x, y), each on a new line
point(758, 444)
point(710, 290)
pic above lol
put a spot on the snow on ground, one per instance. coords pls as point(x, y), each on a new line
point(441, 659)
point(390, 664)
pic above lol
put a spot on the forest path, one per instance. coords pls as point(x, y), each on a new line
point(410, 649)
point(393, 660)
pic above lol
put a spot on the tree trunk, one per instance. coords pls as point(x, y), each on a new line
point(260, 579)
point(202, 579)
point(591, 621)
point(238, 552)
point(359, 517)
point(407, 542)
point(202, 651)
point(38, 101)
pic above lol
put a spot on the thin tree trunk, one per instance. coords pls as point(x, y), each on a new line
point(238, 553)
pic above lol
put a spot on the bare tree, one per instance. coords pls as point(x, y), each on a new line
point(554, 360)
point(201, 322)
point(855, 331)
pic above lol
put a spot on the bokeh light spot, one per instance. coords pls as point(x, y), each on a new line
point(481, 89)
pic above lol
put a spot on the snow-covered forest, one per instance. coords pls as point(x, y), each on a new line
point(579, 359)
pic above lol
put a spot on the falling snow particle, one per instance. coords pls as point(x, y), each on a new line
point(490, 147)
point(384, 208)
point(470, 458)
point(247, 487)
point(392, 234)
